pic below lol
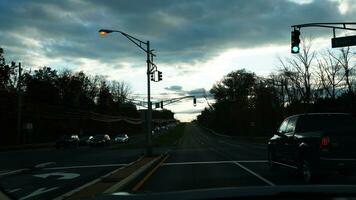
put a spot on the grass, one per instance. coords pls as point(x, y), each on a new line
point(170, 137)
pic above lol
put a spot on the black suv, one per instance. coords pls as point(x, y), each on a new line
point(314, 144)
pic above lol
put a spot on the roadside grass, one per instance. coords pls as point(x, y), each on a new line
point(170, 137)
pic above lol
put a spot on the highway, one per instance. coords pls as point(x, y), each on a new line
point(201, 160)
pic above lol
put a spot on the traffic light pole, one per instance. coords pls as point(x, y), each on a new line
point(149, 109)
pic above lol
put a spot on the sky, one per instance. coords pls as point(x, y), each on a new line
point(196, 42)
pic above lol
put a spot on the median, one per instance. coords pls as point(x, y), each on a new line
point(127, 178)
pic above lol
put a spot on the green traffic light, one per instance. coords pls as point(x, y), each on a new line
point(295, 49)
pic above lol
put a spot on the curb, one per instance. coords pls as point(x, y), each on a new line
point(132, 177)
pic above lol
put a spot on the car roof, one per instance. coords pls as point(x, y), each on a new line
point(308, 114)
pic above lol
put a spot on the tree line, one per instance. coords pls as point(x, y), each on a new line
point(54, 103)
point(311, 81)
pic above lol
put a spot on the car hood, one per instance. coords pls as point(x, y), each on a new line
point(282, 192)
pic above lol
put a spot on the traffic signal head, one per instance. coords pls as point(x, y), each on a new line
point(152, 77)
point(194, 101)
point(295, 41)
point(162, 104)
point(159, 76)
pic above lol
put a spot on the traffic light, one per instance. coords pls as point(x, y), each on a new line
point(295, 41)
point(152, 76)
point(159, 76)
point(194, 101)
point(162, 104)
point(157, 105)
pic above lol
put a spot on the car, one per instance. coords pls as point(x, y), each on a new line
point(85, 140)
point(121, 138)
point(101, 140)
point(315, 144)
point(67, 141)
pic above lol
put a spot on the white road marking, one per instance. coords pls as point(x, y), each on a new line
point(64, 176)
point(85, 166)
point(38, 192)
point(68, 194)
point(215, 162)
point(255, 174)
point(14, 172)
point(14, 190)
point(43, 165)
point(286, 165)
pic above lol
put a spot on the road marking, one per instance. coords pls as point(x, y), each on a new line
point(64, 176)
point(14, 190)
point(286, 165)
point(140, 184)
point(85, 166)
point(70, 193)
point(215, 162)
point(14, 172)
point(38, 192)
point(255, 174)
point(43, 165)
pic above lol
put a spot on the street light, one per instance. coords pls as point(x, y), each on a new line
point(145, 46)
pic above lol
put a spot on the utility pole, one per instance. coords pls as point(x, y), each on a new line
point(149, 109)
point(19, 106)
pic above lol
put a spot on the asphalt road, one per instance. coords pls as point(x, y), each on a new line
point(50, 173)
point(204, 160)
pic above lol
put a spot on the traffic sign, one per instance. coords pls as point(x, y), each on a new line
point(343, 41)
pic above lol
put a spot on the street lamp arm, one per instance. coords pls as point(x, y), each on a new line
point(136, 41)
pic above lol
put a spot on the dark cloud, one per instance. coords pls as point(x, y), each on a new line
point(176, 88)
point(197, 92)
point(181, 31)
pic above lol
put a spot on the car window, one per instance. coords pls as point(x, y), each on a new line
point(283, 127)
point(291, 124)
point(327, 123)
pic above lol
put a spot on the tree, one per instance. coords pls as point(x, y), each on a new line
point(329, 72)
point(298, 70)
point(120, 91)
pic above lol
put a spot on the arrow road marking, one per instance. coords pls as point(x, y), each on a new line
point(38, 192)
point(64, 176)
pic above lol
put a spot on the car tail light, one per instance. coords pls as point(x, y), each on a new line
point(325, 141)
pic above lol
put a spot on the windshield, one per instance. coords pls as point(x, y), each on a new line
point(107, 97)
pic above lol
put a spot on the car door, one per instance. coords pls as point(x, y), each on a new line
point(280, 140)
point(289, 146)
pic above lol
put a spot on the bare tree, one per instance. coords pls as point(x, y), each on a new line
point(344, 60)
point(329, 73)
point(120, 91)
point(298, 71)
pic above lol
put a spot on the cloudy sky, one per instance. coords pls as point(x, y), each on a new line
point(197, 42)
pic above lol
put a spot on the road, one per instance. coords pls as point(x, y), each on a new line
point(200, 160)
point(204, 160)
point(49, 173)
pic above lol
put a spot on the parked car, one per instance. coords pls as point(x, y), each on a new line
point(67, 141)
point(121, 138)
point(315, 144)
point(86, 140)
point(100, 140)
